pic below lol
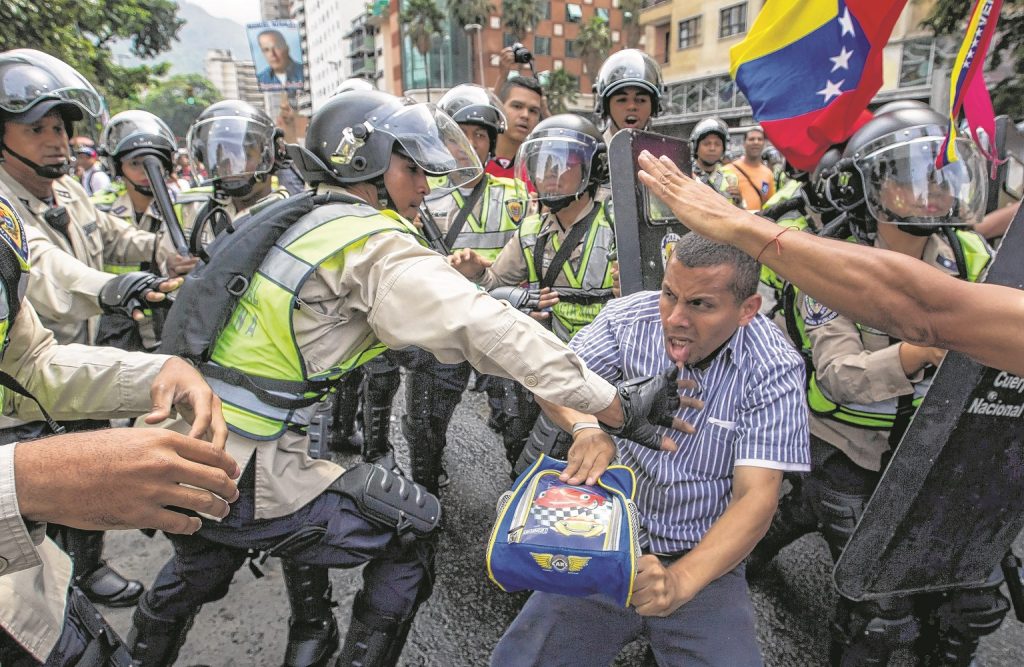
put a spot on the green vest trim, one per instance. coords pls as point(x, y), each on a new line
point(259, 340)
point(582, 292)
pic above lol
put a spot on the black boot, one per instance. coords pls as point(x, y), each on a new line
point(345, 407)
point(372, 640)
point(424, 454)
point(100, 582)
point(155, 641)
point(312, 629)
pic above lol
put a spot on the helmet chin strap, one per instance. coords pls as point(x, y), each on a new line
point(51, 171)
point(556, 204)
point(383, 198)
point(144, 190)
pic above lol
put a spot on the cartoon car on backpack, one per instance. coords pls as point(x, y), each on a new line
point(569, 497)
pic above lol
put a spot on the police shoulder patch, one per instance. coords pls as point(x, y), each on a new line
point(816, 314)
point(12, 231)
point(515, 209)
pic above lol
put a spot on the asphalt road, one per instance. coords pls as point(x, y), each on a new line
point(464, 619)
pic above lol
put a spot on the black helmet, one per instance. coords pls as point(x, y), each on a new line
point(899, 105)
point(355, 83)
point(549, 156)
point(887, 174)
point(622, 69)
point(132, 133)
point(234, 141)
point(351, 138)
point(32, 84)
point(475, 105)
point(704, 128)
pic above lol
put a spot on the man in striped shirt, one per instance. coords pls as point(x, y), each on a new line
point(708, 496)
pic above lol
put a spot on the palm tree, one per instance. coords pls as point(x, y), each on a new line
point(631, 22)
point(469, 12)
point(422, 19)
point(561, 90)
point(593, 42)
point(520, 16)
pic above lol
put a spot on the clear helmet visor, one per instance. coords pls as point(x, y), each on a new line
point(434, 141)
point(903, 186)
point(130, 130)
point(232, 148)
point(555, 166)
point(28, 77)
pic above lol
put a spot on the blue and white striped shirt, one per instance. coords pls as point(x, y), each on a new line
point(755, 414)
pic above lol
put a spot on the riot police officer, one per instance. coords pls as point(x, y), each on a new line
point(708, 142)
point(296, 330)
point(866, 385)
point(563, 253)
point(627, 91)
point(70, 242)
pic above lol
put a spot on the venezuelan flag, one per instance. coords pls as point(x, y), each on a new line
point(809, 69)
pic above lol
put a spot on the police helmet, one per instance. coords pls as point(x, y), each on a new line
point(562, 158)
point(623, 69)
point(888, 174)
point(351, 138)
point(899, 105)
point(706, 127)
point(475, 105)
point(234, 141)
point(136, 133)
point(354, 83)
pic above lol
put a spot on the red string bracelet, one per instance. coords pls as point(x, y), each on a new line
point(775, 240)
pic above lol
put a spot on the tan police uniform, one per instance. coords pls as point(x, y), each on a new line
point(857, 366)
point(72, 382)
point(405, 294)
point(65, 293)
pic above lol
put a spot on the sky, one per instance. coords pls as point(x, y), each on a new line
point(242, 11)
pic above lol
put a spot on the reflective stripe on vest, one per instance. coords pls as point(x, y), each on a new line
point(490, 237)
point(590, 285)
point(259, 338)
point(882, 414)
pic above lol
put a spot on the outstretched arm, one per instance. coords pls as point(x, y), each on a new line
point(886, 290)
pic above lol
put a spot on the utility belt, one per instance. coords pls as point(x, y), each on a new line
point(583, 299)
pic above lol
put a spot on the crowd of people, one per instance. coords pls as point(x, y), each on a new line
point(489, 223)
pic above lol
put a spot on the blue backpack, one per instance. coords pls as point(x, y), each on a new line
point(572, 540)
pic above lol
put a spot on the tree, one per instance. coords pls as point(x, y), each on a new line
point(593, 42)
point(421, 19)
point(631, 21)
point(520, 16)
point(80, 32)
point(179, 100)
point(468, 12)
point(561, 89)
point(949, 17)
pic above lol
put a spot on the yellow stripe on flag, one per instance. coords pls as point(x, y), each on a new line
point(780, 23)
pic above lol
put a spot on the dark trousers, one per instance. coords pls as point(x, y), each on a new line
point(328, 532)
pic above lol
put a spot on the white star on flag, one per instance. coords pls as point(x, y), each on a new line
point(831, 90)
point(842, 60)
point(846, 22)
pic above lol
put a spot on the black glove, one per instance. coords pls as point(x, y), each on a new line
point(127, 292)
point(647, 402)
point(519, 298)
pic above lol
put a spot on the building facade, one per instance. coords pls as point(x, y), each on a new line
point(233, 79)
point(691, 40)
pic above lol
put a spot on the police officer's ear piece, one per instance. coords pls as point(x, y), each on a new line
point(841, 185)
point(352, 139)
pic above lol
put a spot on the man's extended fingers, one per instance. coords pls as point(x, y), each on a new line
point(208, 479)
point(205, 453)
point(691, 402)
point(668, 444)
point(196, 500)
point(682, 426)
point(170, 285)
point(154, 296)
point(170, 521)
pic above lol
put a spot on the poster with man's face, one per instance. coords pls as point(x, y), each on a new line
point(277, 54)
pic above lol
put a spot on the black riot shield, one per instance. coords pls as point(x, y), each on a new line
point(951, 501)
point(645, 229)
point(1007, 186)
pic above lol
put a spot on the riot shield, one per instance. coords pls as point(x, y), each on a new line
point(951, 501)
point(1007, 186)
point(645, 229)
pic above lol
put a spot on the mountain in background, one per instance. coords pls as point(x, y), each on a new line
point(201, 32)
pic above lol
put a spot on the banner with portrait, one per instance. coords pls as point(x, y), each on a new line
point(276, 48)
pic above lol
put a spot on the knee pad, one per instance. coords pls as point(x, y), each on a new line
point(545, 438)
point(839, 515)
point(972, 613)
point(875, 627)
point(391, 500)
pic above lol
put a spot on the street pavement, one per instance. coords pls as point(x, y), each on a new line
point(466, 615)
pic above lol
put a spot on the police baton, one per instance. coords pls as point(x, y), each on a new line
point(433, 233)
point(155, 172)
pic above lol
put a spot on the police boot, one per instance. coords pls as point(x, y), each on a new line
point(101, 583)
point(312, 629)
point(793, 519)
point(865, 634)
point(423, 452)
point(958, 622)
point(372, 640)
point(155, 641)
point(379, 389)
